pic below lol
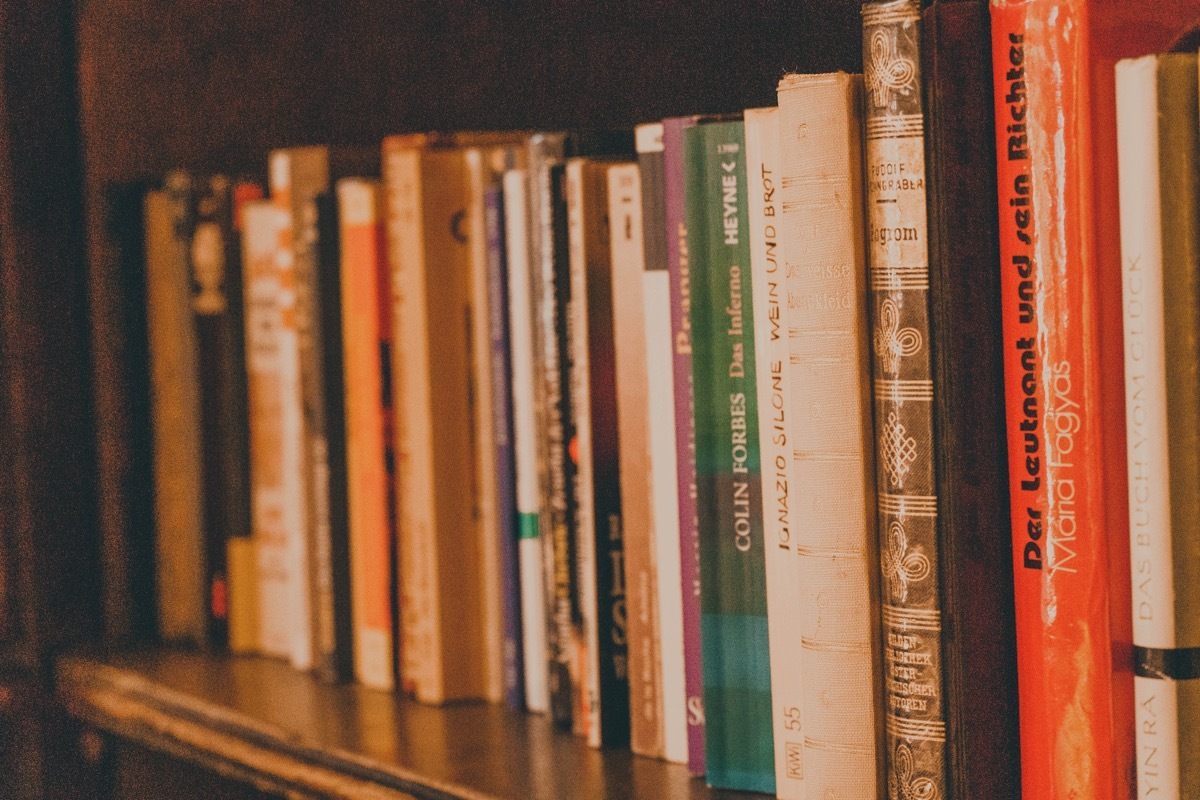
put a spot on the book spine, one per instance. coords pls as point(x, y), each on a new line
point(1157, 138)
point(634, 432)
point(600, 542)
point(502, 414)
point(550, 278)
point(483, 432)
point(680, 278)
point(365, 333)
point(1052, 387)
point(276, 427)
point(907, 501)
point(175, 414)
point(821, 214)
point(660, 376)
point(733, 602)
point(240, 559)
point(216, 306)
point(773, 386)
point(974, 542)
point(296, 177)
point(524, 432)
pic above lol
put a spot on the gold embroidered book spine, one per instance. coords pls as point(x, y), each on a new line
point(914, 708)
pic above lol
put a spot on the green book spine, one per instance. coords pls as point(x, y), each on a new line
point(733, 594)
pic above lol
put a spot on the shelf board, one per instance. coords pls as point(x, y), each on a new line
point(258, 720)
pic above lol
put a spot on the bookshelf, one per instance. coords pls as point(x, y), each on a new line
point(97, 95)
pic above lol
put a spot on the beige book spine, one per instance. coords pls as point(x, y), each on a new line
point(276, 429)
point(775, 412)
point(175, 416)
point(633, 432)
point(838, 620)
point(441, 612)
point(484, 432)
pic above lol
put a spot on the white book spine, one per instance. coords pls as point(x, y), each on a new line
point(520, 311)
point(588, 689)
point(1156, 714)
point(821, 221)
point(276, 437)
point(768, 278)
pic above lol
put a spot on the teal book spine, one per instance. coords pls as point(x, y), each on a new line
point(733, 593)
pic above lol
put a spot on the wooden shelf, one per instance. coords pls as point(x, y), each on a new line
point(260, 721)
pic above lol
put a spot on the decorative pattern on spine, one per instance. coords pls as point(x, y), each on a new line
point(898, 254)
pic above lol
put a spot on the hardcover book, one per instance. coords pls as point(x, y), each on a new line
point(737, 674)
point(1158, 127)
point(602, 707)
point(370, 457)
point(276, 430)
point(773, 385)
point(904, 389)
point(441, 614)
point(175, 413)
point(970, 453)
point(633, 430)
point(824, 240)
point(660, 383)
point(1071, 586)
point(525, 445)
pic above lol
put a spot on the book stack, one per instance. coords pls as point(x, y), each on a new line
point(812, 446)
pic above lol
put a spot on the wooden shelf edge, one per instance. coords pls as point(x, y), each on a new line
point(125, 704)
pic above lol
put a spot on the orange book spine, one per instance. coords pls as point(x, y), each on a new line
point(1075, 727)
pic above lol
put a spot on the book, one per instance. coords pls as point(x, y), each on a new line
point(524, 432)
point(276, 424)
point(904, 392)
point(680, 285)
point(1157, 116)
point(441, 615)
point(633, 432)
point(737, 673)
point(298, 176)
point(175, 413)
point(603, 704)
point(502, 413)
point(1071, 588)
point(824, 240)
point(370, 479)
point(660, 383)
point(970, 456)
point(216, 302)
point(768, 271)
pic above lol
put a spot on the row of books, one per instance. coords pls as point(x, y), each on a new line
point(694, 437)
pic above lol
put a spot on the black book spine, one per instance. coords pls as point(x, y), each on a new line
point(979, 656)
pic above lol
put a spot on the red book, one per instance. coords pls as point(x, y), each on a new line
point(1061, 295)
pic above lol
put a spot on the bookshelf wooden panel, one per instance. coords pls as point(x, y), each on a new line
point(262, 722)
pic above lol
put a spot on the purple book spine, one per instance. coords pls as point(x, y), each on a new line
point(685, 433)
point(514, 679)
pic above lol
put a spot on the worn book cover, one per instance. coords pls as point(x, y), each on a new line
point(970, 454)
point(739, 750)
point(824, 240)
point(175, 413)
point(660, 397)
point(602, 706)
point(773, 385)
point(1159, 160)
